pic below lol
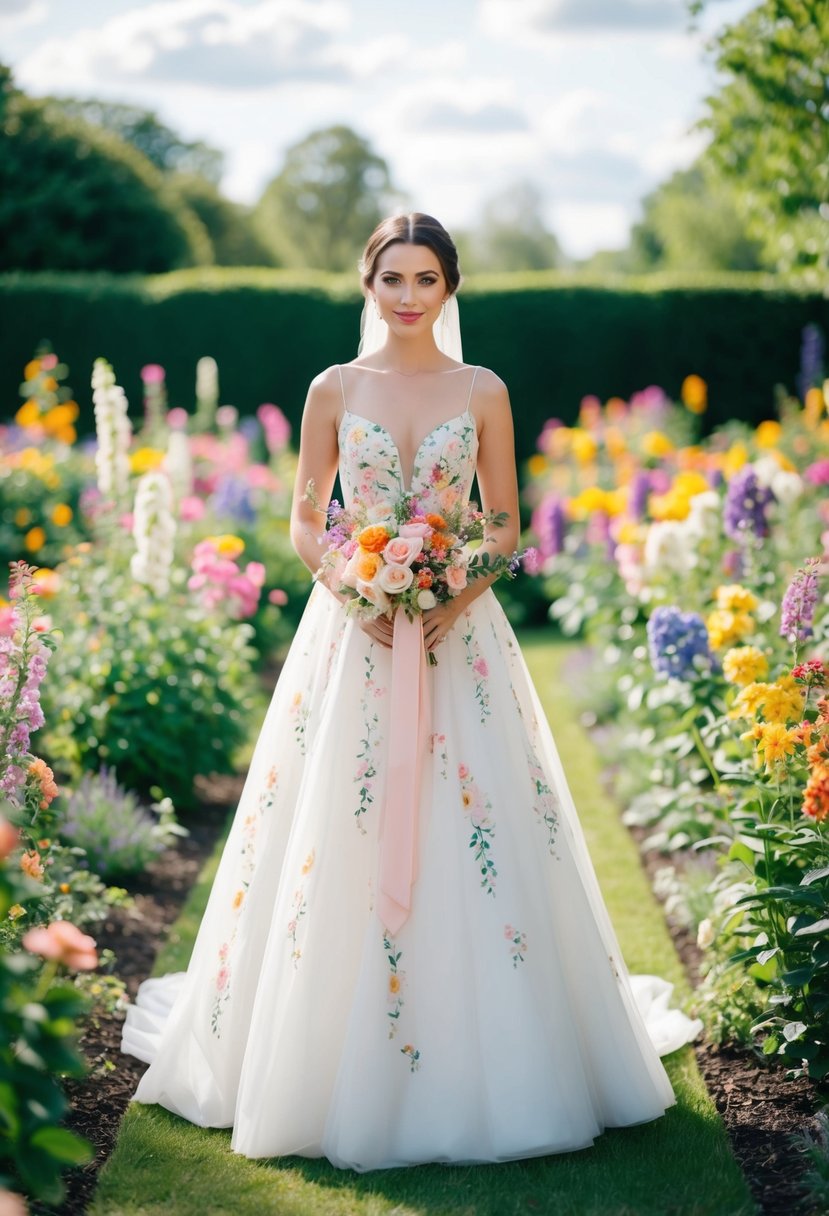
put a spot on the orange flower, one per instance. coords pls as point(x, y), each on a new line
point(816, 794)
point(436, 521)
point(65, 943)
point(237, 898)
point(424, 578)
point(30, 864)
point(394, 984)
point(367, 564)
point(374, 539)
point(45, 778)
point(442, 540)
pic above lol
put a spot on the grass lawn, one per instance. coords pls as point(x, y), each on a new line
point(679, 1165)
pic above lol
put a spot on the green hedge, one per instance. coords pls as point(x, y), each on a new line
point(551, 337)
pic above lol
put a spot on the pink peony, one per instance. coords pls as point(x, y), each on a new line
point(63, 942)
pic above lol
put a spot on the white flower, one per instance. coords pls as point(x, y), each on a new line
point(154, 530)
point(705, 934)
point(394, 579)
point(704, 519)
point(374, 594)
point(114, 431)
point(786, 486)
point(668, 547)
point(178, 464)
point(426, 599)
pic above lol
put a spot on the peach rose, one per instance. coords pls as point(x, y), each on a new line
point(414, 529)
point(402, 550)
point(361, 565)
point(455, 578)
point(373, 593)
point(395, 579)
point(63, 942)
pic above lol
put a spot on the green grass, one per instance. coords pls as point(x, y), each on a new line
point(679, 1165)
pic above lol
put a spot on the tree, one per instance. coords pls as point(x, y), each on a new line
point(229, 226)
point(73, 197)
point(512, 234)
point(770, 128)
point(161, 145)
point(692, 222)
point(330, 193)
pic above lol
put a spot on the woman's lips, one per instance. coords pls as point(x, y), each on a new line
point(409, 317)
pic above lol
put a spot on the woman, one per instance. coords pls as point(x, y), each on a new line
point(405, 956)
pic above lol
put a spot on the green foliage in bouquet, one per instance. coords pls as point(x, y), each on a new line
point(152, 685)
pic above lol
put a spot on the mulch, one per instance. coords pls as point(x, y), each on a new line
point(761, 1110)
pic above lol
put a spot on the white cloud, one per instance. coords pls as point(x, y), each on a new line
point(579, 17)
point(584, 227)
point(219, 44)
point(18, 14)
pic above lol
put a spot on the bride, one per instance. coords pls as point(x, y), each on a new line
point(405, 956)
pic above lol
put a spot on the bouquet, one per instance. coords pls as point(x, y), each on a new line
point(395, 555)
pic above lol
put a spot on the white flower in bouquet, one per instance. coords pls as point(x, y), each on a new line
point(114, 431)
point(154, 531)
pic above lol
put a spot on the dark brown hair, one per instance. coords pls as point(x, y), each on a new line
point(416, 228)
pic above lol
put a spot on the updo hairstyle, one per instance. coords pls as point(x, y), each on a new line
point(416, 228)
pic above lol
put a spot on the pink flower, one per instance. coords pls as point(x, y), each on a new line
point(255, 571)
point(415, 528)
point(177, 418)
point(509, 932)
point(191, 507)
point(63, 942)
point(455, 578)
point(402, 550)
point(222, 976)
point(152, 373)
point(8, 624)
point(126, 521)
point(463, 772)
point(394, 579)
point(276, 426)
point(278, 597)
point(480, 667)
point(9, 836)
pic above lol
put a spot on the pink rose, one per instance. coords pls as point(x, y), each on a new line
point(455, 578)
point(394, 579)
point(419, 529)
point(402, 550)
point(65, 943)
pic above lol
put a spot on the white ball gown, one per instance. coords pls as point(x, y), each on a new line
point(499, 1021)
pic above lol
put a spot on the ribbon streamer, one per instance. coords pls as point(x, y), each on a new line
point(408, 735)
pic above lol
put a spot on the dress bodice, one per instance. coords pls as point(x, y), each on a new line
point(371, 470)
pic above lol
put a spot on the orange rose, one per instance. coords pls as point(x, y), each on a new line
point(367, 563)
point(373, 538)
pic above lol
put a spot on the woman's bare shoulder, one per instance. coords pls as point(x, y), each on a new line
point(324, 393)
point(490, 395)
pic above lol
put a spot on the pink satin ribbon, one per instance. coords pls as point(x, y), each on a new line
point(410, 727)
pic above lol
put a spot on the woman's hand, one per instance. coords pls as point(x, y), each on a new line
point(438, 621)
point(381, 629)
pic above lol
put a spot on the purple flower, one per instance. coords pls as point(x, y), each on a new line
point(746, 503)
point(811, 359)
point(232, 497)
point(678, 643)
point(640, 488)
point(715, 478)
point(548, 525)
point(798, 608)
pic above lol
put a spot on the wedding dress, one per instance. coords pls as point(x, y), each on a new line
point(499, 1021)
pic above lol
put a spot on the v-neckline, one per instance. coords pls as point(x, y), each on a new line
point(392, 441)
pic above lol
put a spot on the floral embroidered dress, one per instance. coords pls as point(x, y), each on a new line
point(500, 1021)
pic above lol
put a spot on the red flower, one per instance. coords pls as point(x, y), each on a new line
point(812, 672)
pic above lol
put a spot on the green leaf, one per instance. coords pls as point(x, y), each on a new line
point(63, 1145)
point(818, 926)
point(770, 1045)
point(814, 875)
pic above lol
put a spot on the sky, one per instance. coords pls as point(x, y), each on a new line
point(593, 101)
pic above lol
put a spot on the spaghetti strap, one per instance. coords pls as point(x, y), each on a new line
point(342, 387)
point(471, 386)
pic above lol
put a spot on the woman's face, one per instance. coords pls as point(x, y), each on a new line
point(409, 287)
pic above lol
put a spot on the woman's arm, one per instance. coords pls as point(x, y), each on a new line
point(498, 483)
point(318, 456)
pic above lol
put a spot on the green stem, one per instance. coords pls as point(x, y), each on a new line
point(706, 756)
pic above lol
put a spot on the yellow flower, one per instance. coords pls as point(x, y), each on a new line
point(537, 465)
point(466, 798)
point(22, 517)
point(725, 627)
point(367, 564)
point(593, 498)
point(144, 460)
point(735, 598)
point(47, 582)
point(694, 394)
point(16, 911)
point(238, 897)
point(776, 743)
point(782, 704)
point(227, 545)
point(614, 442)
point(813, 406)
point(31, 369)
point(34, 539)
point(61, 515)
point(734, 459)
point(767, 434)
point(356, 435)
point(656, 444)
point(394, 984)
point(28, 414)
point(308, 864)
point(583, 445)
point(744, 665)
point(629, 533)
point(749, 701)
